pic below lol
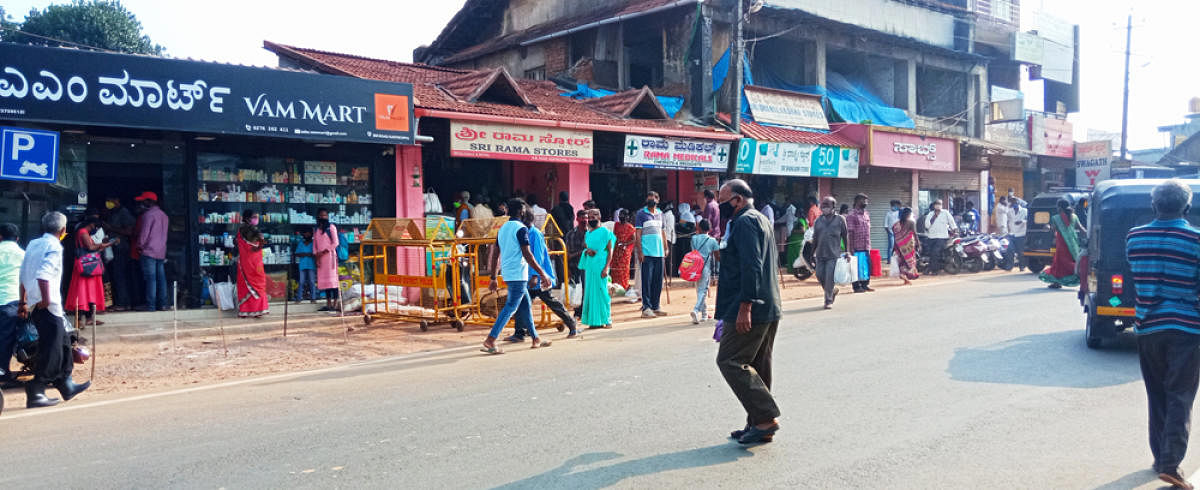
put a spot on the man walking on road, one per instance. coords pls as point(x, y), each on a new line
point(1164, 258)
point(649, 224)
point(537, 245)
point(829, 233)
point(748, 300)
point(859, 223)
point(1017, 227)
point(516, 258)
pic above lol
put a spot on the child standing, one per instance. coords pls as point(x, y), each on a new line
point(308, 267)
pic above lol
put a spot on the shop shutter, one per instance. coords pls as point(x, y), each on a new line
point(950, 181)
point(1008, 177)
point(881, 185)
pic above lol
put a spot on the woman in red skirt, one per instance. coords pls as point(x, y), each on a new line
point(87, 279)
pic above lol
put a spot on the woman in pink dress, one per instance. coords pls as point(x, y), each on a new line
point(87, 290)
point(252, 297)
point(325, 244)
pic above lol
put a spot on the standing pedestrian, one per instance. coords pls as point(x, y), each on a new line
point(748, 300)
point(893, 216)
point(562, 213)
point(829, 236)
point(575, 247)
point(596, 263)
point(86, 288)
point(307, 283)
point(252, 297)
point(120, 224)
point(1164, 257)
point(907, 246)
point(1018, 227)
point(41, 302)
point(1063, 224)
point(541, 254)
point(11, 257)
point(649, 224)
point(859, 225)
point(325, 244)
point(1001, 215)
point(152, 250)
point(626, 236)
point(712, 213)
point(514, 256)
point(939, 226)
point(709, 250)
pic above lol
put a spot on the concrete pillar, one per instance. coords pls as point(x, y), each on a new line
point(824, 188)
point(916, 193)
point(700, 67)
point(815, 70)
point(578, 183)
point(906, 85)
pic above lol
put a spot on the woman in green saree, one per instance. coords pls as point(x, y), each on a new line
point(1066, 247)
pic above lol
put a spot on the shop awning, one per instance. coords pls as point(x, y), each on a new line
point(761, 132)
point(773, 150)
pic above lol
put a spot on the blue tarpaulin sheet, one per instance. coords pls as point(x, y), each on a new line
point(583, 92)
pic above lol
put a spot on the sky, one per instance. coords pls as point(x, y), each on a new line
point(1163, 77)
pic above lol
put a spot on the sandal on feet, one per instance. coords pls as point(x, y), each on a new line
point(493, 350)
point(539, 345)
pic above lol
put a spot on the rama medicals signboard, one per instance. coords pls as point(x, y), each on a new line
point(786, 108)
point(676, 153)
point(796, 159)
point(84, 87)
point(1093, 161)
point(523, 143)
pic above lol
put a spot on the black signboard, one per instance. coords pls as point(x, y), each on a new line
point(85, 87)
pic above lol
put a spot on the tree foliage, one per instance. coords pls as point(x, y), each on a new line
point(104, 24)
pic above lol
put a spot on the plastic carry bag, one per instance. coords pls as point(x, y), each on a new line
point(223, 295)
point(575, 291)
point(894, 268)
point(842, 273)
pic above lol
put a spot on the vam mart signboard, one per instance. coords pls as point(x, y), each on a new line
point(1092, 162)
point(521, 143)
point(796, 159)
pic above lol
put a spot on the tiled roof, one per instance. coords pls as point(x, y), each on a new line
point(775, 133)
point(515, 38)
point(471, 86)
point(625, 103)
point(545, 103)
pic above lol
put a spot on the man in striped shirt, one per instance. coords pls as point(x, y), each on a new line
point(1164, 258)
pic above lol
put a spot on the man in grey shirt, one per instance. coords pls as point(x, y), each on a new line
point(830, 234)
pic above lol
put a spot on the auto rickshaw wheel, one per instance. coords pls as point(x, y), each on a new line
point(1036, 266)
point(424, 326)
point(1089, 336)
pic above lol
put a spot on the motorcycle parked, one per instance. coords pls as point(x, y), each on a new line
point(998, 248)
point(952, 256)
point(975, 253)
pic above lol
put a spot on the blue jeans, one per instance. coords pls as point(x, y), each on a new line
point(887, 254)
point(702, 290)
point(652, 282)
point(156, 283)
point(308, 283)
point(518, 304)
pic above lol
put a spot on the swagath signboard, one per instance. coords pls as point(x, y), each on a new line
point(796, 159)
point(83, 87)
point(1093, 161)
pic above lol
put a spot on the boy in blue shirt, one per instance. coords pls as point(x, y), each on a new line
point(308, 267)
point(710, 249)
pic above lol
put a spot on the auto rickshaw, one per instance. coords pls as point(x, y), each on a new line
point(1106, 292)
point(1039, 238)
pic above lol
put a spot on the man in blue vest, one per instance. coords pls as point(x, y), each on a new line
point(515, 258)
point(537, 245)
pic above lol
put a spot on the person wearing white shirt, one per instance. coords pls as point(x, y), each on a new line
point(1002, 211)
point(892, 217)
point(41, 286)
point(939, 225)
point(11, 257)
point(1017, 227)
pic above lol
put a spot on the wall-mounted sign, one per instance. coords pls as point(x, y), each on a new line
point(1028, 48)
point(1051, 136)
point(1092, 162)
point(523, 143)
point(30, 155)
point(911, 151)
point(1013, 134)
point(676, 153)
point(86, 87)
point(786, 108)
point(796, 159)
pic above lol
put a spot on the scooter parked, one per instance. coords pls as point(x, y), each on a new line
point(952, 256)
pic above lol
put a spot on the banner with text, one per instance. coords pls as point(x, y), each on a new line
point(523, 143)
point(83, 87)
point(1092, 162)
point(676, 153)
point(796, 159)
point(786, 108)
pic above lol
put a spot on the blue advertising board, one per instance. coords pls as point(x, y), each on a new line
point(28, 154)
point(84, 87)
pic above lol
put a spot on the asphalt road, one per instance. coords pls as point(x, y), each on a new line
point(982, 382)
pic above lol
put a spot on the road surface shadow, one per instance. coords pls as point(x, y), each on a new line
point(1041, 289)
point(1057, 359)
point(565, 475)
point(1132, 480)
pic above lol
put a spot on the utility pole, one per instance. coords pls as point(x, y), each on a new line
point(1125, 102)
point(736, 118)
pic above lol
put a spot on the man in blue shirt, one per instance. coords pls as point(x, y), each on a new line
point(515, 258)
point(649, 224)
point(537, 245)
point(1164, 258)
point(308, 267)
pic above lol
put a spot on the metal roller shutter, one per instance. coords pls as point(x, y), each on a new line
point(881, 185)
point(950, 181)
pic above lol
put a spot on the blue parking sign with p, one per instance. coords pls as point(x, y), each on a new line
point(28, 154)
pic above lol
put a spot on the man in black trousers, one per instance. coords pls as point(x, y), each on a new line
point(748, 304)
point(1164, 258)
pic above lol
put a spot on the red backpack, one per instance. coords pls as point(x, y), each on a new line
point(692, 266)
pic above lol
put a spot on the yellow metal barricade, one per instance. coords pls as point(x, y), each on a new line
point(476, 241)
point(382, 246)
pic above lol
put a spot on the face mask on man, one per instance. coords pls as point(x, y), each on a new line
point(593, 223)
point(254, 221)
point(650, 203)
point(322, 222)
point(725, 209)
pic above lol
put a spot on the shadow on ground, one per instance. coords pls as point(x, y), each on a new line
point(566, 476)
point(1132, 480)
point(1057, 359)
